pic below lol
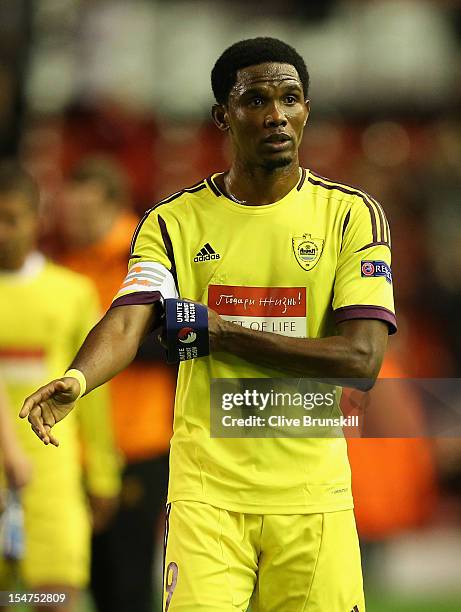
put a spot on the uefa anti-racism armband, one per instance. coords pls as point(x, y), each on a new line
point(186, 323)
point(186, 327)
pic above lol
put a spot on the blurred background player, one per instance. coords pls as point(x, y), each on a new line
point(46, 312)
point(15, 473)
point(17, 468)
point(97, 225)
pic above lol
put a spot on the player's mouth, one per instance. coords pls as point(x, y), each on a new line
point(278, 142)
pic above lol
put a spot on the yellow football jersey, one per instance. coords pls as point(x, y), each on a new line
point(45, 313)
point(318, 256)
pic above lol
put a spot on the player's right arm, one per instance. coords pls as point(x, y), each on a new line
point(112, 344)
point(109, 347)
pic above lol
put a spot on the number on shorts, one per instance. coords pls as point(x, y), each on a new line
point(170, 585)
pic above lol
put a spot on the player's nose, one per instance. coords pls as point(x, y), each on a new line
point(275, 117)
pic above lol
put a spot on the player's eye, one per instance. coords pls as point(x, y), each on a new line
point(257, 101)
point(291, 99)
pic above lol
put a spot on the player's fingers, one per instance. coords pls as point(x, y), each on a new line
point(66, 384)
point(51, 436)
point(36, 420)
point(26, 407)
point(48, 417)
point(61, 386)
point(37, 432)
point(54, 441)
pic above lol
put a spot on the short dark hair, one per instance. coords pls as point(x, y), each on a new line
point(15, 179)
point(251, 52)
point(103, 170)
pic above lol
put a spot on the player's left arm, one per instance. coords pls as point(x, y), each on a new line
point(356, 351)
point(362, 305)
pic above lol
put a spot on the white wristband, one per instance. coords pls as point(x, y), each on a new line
point(80, 376)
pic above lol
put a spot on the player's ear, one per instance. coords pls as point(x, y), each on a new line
point(220, 117)
point(307, 104)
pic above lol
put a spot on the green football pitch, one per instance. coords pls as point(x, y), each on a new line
point(386, 603)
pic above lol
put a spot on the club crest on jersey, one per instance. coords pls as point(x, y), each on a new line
point(307, 250)
point(376, 268)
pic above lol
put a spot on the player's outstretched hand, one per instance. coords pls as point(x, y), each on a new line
point(49, 405)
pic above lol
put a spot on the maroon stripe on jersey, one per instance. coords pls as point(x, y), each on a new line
point(386, 237)
point(302, 179)
point(371, 210)
point(139, 297)
point(324, 178)
point(381, 219)
point(165, 542)
point(354, 188)
point(218, 191)
point(138, 229)
point(347, 218)
point(193, 189)
point(174, 196)
point(169, 249)
point(196, 187)
point(362, 311)
point(371, 244)
point(214, 188)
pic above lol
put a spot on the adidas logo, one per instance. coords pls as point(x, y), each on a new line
point(206, 253)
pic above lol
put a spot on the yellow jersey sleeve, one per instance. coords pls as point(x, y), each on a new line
point(151, 267)
point(363, 284)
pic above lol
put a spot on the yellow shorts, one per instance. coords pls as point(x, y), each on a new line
point(57, 540)
point(219, 561)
